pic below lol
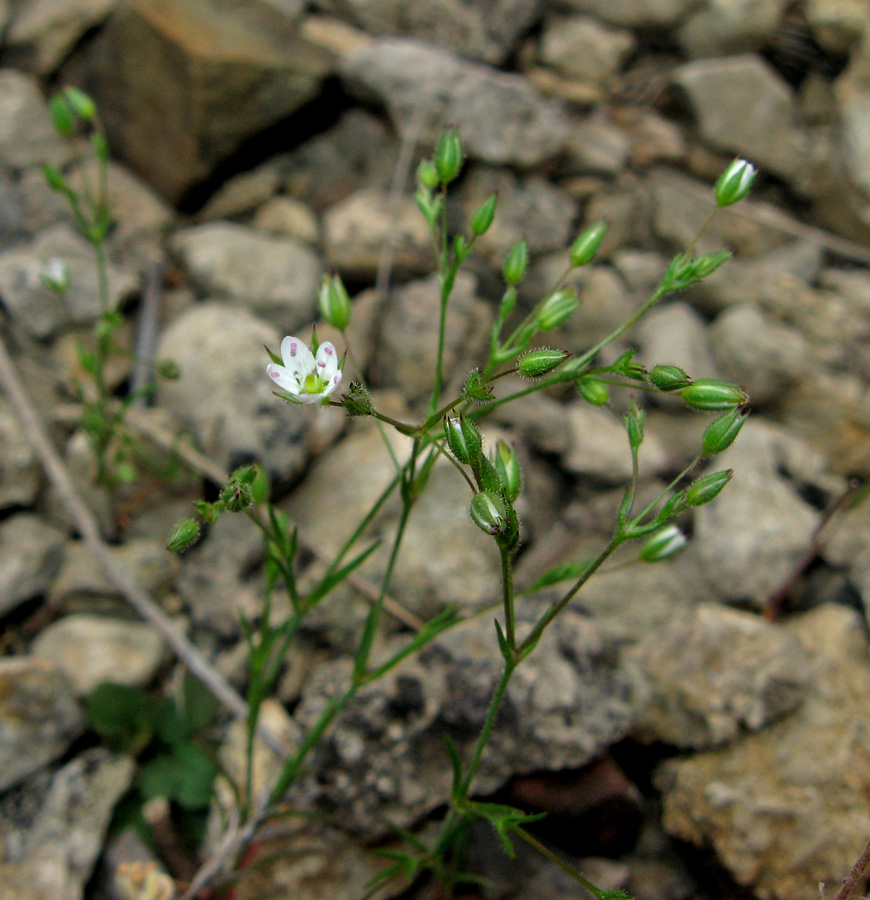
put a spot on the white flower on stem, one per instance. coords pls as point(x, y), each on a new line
point(305, 377)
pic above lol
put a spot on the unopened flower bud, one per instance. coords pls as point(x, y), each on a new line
point(586, 245)
point(634, 423)
point(184, 535)
point(476, 387)
point(482, 217)
point(711, 395)
point(61, 115)
point(80, 103)
point(734, 183)
point(719, 435)
point(593, 390)
point(663, 544)
point(448, 155)
point(55, 275)
point(357, 401)
point(489, 512)
point(237, 495)
point(540, 362)
point(168, 369)
point(464, 439)
point(705, 488)
point(427, 174)
point(508, 467)
point(626, 366)
point(556, 309)
point(669, 378)
point(334, 302)
point(516, 263)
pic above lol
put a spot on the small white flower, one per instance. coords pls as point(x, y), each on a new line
point(306, 377)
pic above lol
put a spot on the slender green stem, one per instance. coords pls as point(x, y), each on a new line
point(507, 579)
point(529, 642)
point(564, 866)
point(489, 723)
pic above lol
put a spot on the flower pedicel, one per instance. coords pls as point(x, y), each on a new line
point(306, 378)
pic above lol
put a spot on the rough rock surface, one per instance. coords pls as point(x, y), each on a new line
point(31, 552)
point(52, 827)
point(39, 717)
point(223, 394)
point(384, 761)
point(501, 119)
point(93, 649)
point(182, 84)
point(758, 802)
point(275, 277)
point(704, 679)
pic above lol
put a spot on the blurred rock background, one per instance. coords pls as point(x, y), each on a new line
point(693, 729)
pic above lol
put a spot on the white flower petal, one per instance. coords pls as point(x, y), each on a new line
point(297, 357)
point(326, 361)
point(283, 378)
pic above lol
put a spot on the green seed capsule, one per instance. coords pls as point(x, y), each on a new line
point(710, 394)
point(704, 489)
point(719, 435)
point(489, 513)
point(516, 263)
point(540, 362)
point(669, 378)
point(464, 439)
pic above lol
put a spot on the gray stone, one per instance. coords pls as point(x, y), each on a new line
point(42, 32)
point(276, 277)
point(839, 26)
point(758, 352)
point(674, 334)
point(596, 145)
point(764, 131)
point(722, 27)
point(39, 716)
point(598, 446)
point(244, 193)
point(287, 217)
point(487, 30)
point(528, 207)
point(704, 679)
point(500, 118)
point(579, 47)
point(681, 206)
point(423, 582)
point(181, 85)
point(750, 537)
point(55, 827)
point(27, 137)
point(847, 546)
point(855, 131)
point(633, 13)
point(385, 760)
point(405, 358)
point(215, 579)
point(358, 152)
point(605, 303)
point(784, 809)
point(82, 578)
point(224, 394)
point(39, 311)
point(365, 226)
point(20, 472)
point(93, 649)
point(30, 554)
point(765, 281)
